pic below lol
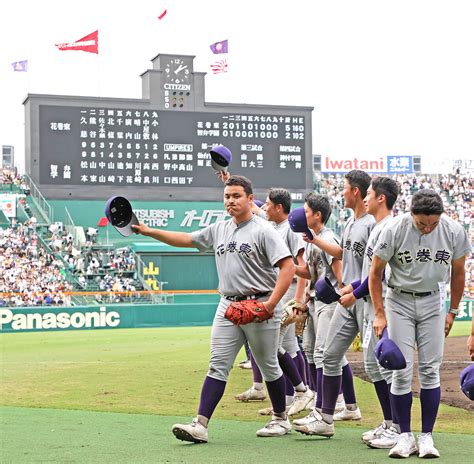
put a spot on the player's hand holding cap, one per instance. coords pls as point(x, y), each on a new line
point(325, 292)
point(120, 214)
point(221, 157)
point(388, 353)
point(298, 223)
point(467, 381)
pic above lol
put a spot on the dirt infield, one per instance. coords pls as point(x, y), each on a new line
point(455, 360)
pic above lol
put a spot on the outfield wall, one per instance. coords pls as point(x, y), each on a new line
point(181, 313)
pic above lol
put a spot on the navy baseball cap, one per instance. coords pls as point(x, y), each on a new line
point(467, 381)
point(388, 354)
point(221, 157)
point(324, 291)
point(298, 223)
point(120, 214)
point(259, 203)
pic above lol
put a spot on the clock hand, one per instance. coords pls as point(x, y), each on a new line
point(180, 68)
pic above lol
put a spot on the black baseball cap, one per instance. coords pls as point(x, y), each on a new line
point(120, 214)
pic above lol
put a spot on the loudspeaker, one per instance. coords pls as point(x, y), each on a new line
point(317, 163)
point(417, 164)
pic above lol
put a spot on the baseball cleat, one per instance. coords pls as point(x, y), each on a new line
point(387, 440)
point(266, 411)
point(275, 428)
point(252, 394)
point(346, 414)
point(340, 404)
point(374, 433)
point(426, 446)
point(194, 432)
point(312, 404)
point(316, 427)
point(405, 446)
point(314, 414)
point(245, 364)
point(300, 401)
point(269, 411)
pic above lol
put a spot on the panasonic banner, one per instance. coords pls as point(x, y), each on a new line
point(29, 319)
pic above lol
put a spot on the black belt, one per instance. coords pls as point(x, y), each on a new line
point(245, 297)
point(416, 294)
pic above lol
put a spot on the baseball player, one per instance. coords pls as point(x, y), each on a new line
point(247, 251)
point(345, 323)
point(318, 210)
point(422, 247)
point(298, 395)
point(381, 196)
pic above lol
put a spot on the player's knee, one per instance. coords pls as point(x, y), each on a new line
point(401, 381)
point(331, 364)
point(218, 372)
point(270, 374)
point(373, 372)
point(429, 376)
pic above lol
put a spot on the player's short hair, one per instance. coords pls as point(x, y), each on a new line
point(360, 179)
point(245, 183)
point(387, 186)
point(317, 202)
point(426, 202)
point(280, 196)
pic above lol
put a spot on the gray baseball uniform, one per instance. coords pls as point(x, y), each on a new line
point(419, 263)
point(323, 313)
point(246, 255)
point(347, 323)
point(295, 243)
point(373, 369)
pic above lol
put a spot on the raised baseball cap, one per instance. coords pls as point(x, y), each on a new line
point(467, 381)
point(221, 157)
point(324, 291)
point(259, 203)
point(298, 223)
point(388, 354)
point(120, 214)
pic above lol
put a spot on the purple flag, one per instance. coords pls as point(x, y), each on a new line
point(21, 66)
point(220, 47)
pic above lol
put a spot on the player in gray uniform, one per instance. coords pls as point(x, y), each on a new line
point(277, 208)
point(345, 323)
point(381, 196)
point(422, 247)
point(318, 210)
point(247, 251)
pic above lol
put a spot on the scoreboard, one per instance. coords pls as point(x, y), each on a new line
point(85, 147)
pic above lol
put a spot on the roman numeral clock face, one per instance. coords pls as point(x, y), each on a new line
point(177, 71)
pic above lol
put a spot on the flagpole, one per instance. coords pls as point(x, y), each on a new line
point(98, 74)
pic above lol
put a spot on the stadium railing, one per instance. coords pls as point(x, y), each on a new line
point(45, 208)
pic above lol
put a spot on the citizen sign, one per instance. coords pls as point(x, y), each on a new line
point(77, 320)
point(177, 87)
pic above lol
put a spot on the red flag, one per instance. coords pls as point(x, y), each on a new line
point(103, 221)
point(89, 43)
point(220, 66)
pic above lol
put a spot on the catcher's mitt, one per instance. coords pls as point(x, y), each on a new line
point(292, 311)
point(244, 312)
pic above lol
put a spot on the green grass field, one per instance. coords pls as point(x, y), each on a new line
point(155, 376)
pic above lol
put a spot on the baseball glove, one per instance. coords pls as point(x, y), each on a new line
point(289, 315)
point(300, 323)
point(244, 312)
point(356, 344)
